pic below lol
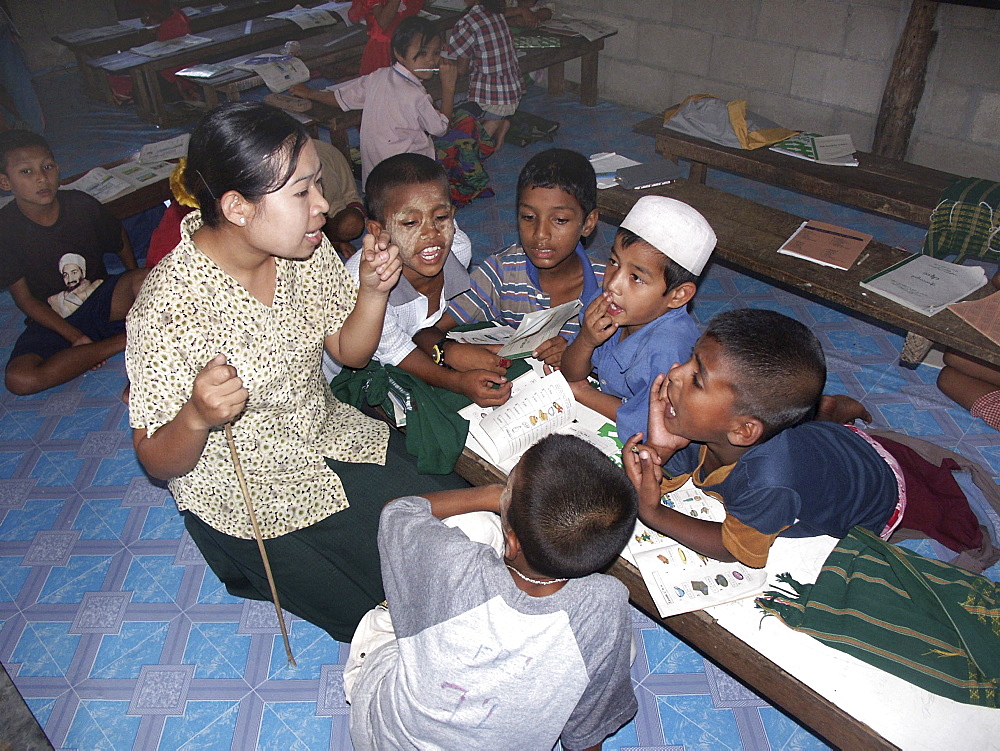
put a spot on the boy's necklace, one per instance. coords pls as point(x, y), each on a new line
point(535, 581)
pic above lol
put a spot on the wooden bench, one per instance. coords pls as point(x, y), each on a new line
point(226, 41)
point(885, 186)
point(750, 234)
point(700, 631)
point(126, 37)
point(553, 59)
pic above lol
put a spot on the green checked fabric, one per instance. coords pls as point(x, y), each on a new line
point(966, 222)
point(930, 623)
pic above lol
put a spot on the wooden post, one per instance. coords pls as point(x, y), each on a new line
point(905, 86)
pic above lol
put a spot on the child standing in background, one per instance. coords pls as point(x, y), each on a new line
point(398, 116)
point(638, 327)
point(482, 40)
point(381, 17)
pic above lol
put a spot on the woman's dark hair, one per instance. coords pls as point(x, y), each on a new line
point(409, 29)
point(248, 147)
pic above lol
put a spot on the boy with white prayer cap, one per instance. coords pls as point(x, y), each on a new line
point(638, 326)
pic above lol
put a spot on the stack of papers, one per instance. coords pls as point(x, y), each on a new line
point(837, 151)
point(306, 19)
point(169, 47)
point(826, 244)
point(925, 284)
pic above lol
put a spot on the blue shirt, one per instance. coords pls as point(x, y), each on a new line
point(817, 478)
point(627, 368)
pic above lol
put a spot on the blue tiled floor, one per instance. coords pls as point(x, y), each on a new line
point(119, 637)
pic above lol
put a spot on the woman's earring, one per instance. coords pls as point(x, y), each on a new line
point(243, 220)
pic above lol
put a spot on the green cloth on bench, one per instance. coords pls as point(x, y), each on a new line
point(930, 623)
point(966, 222)
point(435, 432)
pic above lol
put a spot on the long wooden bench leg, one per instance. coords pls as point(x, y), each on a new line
point(588, 79)
point(557, 79)
point(338, 137)
point(698, 172)
point(915, 348)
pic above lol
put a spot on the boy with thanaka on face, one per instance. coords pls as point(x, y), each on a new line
point(556, 212)
point(408, 197)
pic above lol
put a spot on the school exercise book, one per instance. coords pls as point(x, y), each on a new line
point(836, 151)
point(680, 580)
point(538, 406)
point(926, 284)
point(825, 244)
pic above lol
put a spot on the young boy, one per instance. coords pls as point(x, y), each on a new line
point(639, 325)
point(737, 419)
point(408, 198)
point(52, 246)
point(398, 115)
point(556, 209)
point(511, 648)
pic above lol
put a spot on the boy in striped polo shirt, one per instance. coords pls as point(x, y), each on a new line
point(556, 212)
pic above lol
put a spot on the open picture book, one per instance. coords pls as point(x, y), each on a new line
point(678, 579)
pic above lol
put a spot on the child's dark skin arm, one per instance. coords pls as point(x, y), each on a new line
point(485, 388)
point(126, 253)
point(386, 12)
point(445, 503)
point(459, 356)
point(597, 400)
point(645, 472)
point(323, 97)
point(449, 81)
point(43, 313)
point(841, 408)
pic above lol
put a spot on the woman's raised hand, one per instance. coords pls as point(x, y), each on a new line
point(380, 263)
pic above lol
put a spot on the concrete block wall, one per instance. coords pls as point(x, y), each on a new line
point(809, 64)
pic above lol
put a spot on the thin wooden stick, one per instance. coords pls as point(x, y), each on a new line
point(260, 541)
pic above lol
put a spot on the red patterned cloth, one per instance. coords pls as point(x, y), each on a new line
point(987, 408)
point(378, 51)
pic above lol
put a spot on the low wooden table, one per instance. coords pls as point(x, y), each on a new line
point(230, 11)
point(552, 59)
point(749, 235)
point(226, 41)
point(700, 631)
point(885, 186)
point(146, 197)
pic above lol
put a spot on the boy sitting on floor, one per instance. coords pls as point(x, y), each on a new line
point(52, 246)
point(639, 325)
point(556, 209)
point(737, 419)
point(408, 197)
point(514, 647)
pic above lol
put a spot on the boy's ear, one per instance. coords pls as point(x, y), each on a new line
point(373, 226)
point(745, 431)
point(511, 545)
point(4, 182)
point(681, 295)
point(590, 222)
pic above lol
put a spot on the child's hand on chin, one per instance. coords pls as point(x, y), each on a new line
point(597, 326)
point(660, 438)
point(380, 264)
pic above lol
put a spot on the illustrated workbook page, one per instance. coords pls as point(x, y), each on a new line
point(679, 579)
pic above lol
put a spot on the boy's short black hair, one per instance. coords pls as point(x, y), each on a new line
point(564, 169)
point(776, 366)
point(409, 29)
point(674, 274)
point(493, 6)
point(11, 140)
point(401, 169)
point(571, 507)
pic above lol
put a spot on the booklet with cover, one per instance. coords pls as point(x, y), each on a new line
point(650, 174)
point(826, 244)
point(925, 284)
point(837, 151)
point(679, 579)
point(538, 406)
point(535, 328)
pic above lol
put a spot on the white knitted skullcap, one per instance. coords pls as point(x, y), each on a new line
point(673, 228)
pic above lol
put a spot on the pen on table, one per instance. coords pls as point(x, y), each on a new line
point(863, 258)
